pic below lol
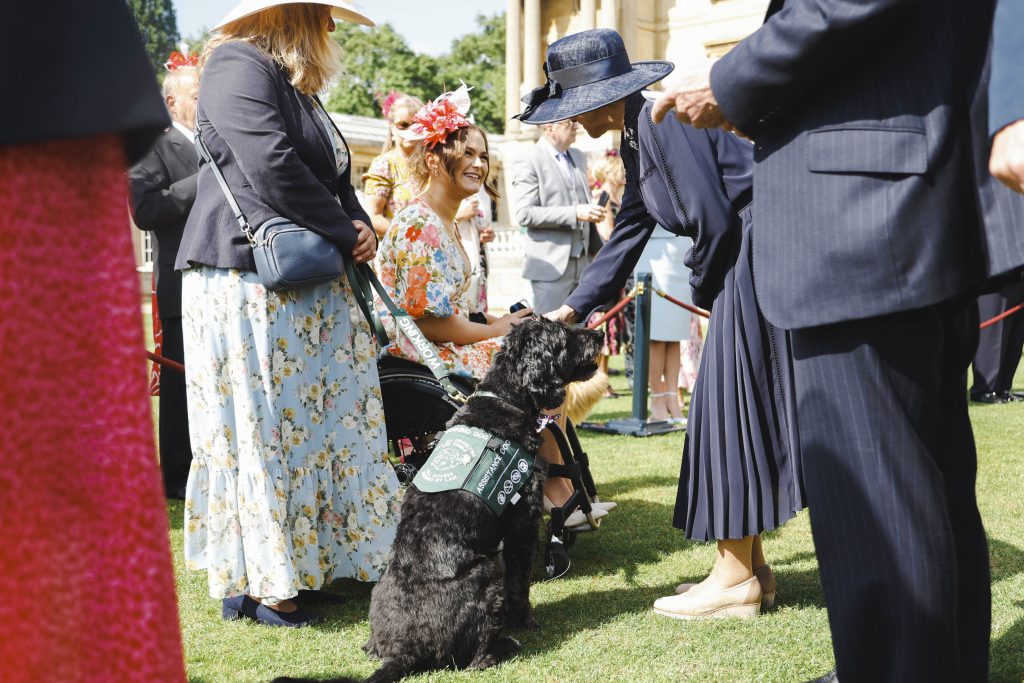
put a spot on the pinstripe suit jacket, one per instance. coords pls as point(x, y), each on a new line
point(865, 179)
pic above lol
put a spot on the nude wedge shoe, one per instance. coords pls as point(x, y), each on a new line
point(764, 576)
point(742, 600)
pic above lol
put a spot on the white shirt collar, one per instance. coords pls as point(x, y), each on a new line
point(183, 130)
point(551, 148)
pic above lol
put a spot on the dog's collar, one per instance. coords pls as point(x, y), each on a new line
point(542, 421)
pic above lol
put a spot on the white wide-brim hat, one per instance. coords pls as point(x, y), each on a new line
point(340, 10)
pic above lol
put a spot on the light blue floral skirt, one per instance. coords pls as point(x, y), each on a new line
point(289, 487)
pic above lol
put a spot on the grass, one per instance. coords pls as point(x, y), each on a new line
point(597, 622)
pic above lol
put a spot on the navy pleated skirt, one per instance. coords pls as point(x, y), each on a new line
point(741, 471)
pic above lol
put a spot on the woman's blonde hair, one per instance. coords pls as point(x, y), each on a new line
point(405, 103)
point(449, 153)
point(295, 36)
point(601, 170)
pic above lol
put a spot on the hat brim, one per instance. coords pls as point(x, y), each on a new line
point(340, 10)
point(585, 98)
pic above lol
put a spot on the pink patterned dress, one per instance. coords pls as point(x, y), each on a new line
point(426, 273)
point(85, 560)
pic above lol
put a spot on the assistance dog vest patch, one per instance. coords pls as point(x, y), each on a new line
point(471, 459)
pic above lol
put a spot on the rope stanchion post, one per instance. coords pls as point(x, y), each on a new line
point(638, 424)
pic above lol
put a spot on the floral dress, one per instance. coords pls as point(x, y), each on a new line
point(290, 485)
point(388, 176)
point(426, 273)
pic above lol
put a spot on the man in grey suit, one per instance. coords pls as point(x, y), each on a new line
point(553, 203)
point(1006, 115)
point(874, 232)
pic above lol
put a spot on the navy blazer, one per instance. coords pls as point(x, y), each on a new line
point(93, 80)
point(865, 159)
point(163, 191)
point(691, 182)
point(276, 156)
point(1006, 91)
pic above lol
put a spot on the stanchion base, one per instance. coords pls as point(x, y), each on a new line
point(634, 427)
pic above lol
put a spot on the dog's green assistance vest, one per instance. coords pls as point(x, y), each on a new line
point(471, 459)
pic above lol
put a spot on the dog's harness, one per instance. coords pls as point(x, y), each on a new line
point(474, 460)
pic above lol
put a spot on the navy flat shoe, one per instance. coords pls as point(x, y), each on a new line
point(231, 608)
point(318, 597)
point(263, 614)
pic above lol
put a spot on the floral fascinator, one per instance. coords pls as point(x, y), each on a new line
point(176, 60)
point(436, 120)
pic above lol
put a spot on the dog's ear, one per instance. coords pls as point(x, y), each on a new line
point(532, 359)
point(579, 362)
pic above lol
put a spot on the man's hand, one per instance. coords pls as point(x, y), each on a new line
point(1007, 160)
point(593, 213)
point(565, 314)
point(692, 100)
point(366, 243)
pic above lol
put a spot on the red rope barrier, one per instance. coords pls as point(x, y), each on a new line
point(166, 362)
point(615, 309)
point(692, 309)
point(1004, 314)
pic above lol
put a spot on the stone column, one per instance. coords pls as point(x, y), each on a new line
point(627, 27)
point(610, 14)
point(588, 14)
point(513, 63)
point(533, 72)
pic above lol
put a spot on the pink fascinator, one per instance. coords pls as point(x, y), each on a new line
point(435, 120)
point(386, 101)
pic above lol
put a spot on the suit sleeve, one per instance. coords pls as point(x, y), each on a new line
point(768, 72)
point(239, 97)
point(608, 273)
point(529, 211)
point(157, 203)
point(1006, 89)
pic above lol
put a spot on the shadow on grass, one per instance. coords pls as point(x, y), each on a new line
point(618, 487)
point(1007, 664)
point(585, 611)
point(640, 534)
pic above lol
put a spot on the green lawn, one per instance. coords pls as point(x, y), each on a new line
point(597, 623)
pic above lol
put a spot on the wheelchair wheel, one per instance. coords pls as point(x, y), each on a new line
point(416, 409)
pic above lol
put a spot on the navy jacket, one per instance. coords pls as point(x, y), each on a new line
point(1006, 91)
point(691, 182)
point(865, 158)
point(163, 191)
point(276, 156)
point(91, 80)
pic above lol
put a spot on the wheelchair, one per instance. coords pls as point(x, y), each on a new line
point(416, 410)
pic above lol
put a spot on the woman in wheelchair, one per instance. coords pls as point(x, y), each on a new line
point(426, 271)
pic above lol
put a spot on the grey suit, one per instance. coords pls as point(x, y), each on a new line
point(869, 244)
point(558, 246)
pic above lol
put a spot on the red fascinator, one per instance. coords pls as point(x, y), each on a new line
point(178, 60)
point(436, 120)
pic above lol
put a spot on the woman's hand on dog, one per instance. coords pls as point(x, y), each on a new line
point(505, 323)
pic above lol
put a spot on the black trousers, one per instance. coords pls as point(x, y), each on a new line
point(999, 346)
point(889, 466)
point(175, 447)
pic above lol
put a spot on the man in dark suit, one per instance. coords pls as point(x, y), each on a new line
point(999, 347)
point(869, 245)
point(163, 191)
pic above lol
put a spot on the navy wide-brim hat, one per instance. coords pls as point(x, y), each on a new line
point(585, 72)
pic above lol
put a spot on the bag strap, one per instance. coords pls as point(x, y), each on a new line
point(363, 279)
point(204, 152)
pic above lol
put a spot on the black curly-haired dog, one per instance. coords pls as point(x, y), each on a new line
point(446, 593)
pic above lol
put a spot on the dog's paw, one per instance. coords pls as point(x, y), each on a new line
point(523, 622)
